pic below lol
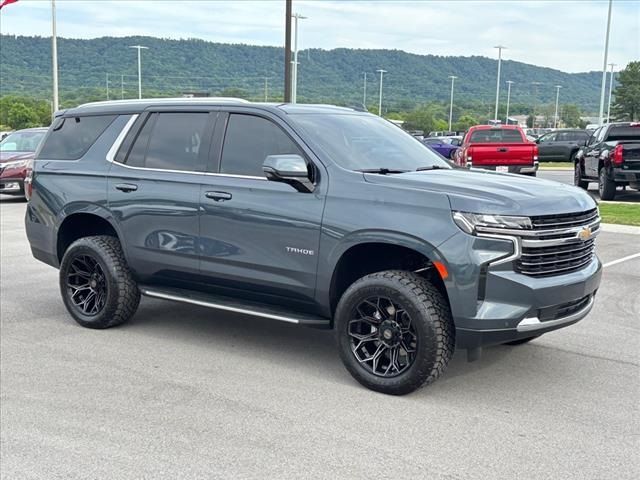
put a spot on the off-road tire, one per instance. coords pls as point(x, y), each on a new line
point(122, 294)
point(578, 175)
point(430, 314)
point(606, 185)
point(521, 341)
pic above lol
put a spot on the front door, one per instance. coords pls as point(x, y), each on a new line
point(258, 236)
point(154, 193)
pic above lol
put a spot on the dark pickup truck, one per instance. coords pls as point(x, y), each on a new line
point(312, 215)
point(611, 157)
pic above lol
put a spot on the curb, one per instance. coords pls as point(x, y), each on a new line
point(614, 228)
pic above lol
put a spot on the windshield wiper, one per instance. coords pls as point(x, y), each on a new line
point(431, 167)
point(381, 171)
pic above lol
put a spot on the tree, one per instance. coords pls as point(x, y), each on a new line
point(570, 115)
point(464, 122)
point(20, 116)
point(627, 93)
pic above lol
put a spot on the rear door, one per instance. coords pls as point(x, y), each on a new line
point(547, 149)
point(257, 236)
point(592, 152)
point(154, 191)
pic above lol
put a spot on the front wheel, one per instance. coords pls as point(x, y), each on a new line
point(394, 332)
point(577, 177)
point(96, 284)
point(606, 186)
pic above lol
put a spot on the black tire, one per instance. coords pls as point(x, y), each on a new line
point(429, 316)
point(606, 186)
point(97, 265)
point(578, 175)
point(521, 341)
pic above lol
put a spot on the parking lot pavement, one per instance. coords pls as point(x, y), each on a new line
point(566, 176)
point(186, 392)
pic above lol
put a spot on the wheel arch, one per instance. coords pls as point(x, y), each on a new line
point(373, 251)
point(78, 221)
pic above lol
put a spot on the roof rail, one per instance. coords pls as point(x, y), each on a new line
point(167, 100)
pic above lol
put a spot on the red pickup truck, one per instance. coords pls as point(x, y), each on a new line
point(503, 148)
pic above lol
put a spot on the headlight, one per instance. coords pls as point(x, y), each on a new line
point(16, 164)
point(472, 222)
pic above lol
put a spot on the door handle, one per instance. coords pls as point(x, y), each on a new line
point(126, 187)
point(218, 196)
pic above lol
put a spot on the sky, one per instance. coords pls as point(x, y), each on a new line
point(564, 35)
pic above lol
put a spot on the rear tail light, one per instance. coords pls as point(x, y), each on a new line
point(616, 158)
point(535, 153)
point(28, 180)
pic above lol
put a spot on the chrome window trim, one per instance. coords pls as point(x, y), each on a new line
point(120, 139)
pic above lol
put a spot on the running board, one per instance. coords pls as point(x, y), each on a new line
point(229, 304)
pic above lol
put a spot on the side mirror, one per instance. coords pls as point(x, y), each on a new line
point(291, 169)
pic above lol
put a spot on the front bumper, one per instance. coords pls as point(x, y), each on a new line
point(493, 304)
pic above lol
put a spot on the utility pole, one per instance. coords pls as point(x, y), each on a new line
point(555, 116)
point(294, 87)
point(54, 55)
point(499, 47)
point(140, 48)
point(604, 64)
point(364, 92)
point(107, 85)
point(266, 88)
point(610, 91)
point(453, 79)
point(287, 52)
point(381, 72)
point(121, 87)
point(509, 83)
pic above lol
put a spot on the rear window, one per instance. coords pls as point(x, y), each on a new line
point(624, 132)
point(496, 136)
point(71, 137)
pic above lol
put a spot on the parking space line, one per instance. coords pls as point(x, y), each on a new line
point(623, 259)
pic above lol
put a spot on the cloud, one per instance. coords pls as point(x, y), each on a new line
point(566, 35)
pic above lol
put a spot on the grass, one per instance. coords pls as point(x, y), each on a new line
point(620, 213)
point(555, 165)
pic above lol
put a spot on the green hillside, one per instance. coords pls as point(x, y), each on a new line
point(177, 66)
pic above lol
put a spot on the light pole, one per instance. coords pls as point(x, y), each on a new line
point(364, 91)
point(453, 79)
point(509, 83)
point(54, 55)
point(610, 91)
point(555, 117)
point(381, 72)
point(499, 47)
point(294, 77)
point(604, 64)
point(139, 47)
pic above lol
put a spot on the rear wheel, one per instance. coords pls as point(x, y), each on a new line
point(577, 177)
point(606, 185)
point(394, 332)
point(96, 284)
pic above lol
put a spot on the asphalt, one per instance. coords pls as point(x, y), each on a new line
point(186, 392)
point(566, 176)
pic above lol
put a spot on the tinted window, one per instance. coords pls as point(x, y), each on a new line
point(624, 132)
point(248, 141)
point(501, 135)
point(71, 137)
point(170, 141)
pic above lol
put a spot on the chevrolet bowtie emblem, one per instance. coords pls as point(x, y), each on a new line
point(584, 234)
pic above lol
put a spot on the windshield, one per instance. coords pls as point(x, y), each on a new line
point(22, 142)
point(366, 142)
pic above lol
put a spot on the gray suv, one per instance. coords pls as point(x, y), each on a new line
point(307, 214)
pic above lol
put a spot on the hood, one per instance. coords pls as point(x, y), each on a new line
point(483, 191)
point(13, 156)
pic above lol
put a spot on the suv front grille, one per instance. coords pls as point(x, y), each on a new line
point(558, 244)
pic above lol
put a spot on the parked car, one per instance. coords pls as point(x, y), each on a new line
point(503, 148)
point(17, 151)
point(441, 146)
point(561, 145)
point(611, 157)
point(313, 215)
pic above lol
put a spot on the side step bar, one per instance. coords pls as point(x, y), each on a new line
point(228, 304)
